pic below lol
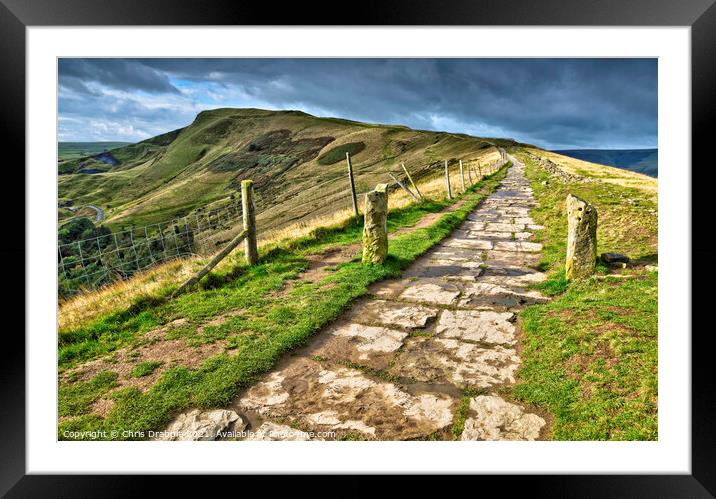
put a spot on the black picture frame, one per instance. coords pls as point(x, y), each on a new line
point(700, 15)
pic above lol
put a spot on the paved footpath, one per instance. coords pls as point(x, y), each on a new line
point(395, 365)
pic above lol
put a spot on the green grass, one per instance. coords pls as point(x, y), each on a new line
point(273, 319)
point(75, 398)
point(590, 358)
point(145, 368)
point(339, 153)
point(590, 355)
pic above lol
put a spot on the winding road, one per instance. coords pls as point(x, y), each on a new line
point(100, 212)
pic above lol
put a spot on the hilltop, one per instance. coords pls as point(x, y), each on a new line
point(296, 160)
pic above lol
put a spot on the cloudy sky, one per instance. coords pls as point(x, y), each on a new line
point(553, 103)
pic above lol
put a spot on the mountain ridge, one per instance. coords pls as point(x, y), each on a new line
point(201, 165)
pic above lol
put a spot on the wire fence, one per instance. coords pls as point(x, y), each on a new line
point(105, 256)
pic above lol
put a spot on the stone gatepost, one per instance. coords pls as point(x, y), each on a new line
point(581, 238)
point(375, 227)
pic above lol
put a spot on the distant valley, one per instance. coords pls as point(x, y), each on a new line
point(637, 160)
point(75, 150)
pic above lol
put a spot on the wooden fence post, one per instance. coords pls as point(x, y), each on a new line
point(251, 251)
point(212, 263)
point(469, 173)
point(407, 174)
point(402, 185)
point(479, 169)
point(462, 177)
point(447, 180)
point(353, 185)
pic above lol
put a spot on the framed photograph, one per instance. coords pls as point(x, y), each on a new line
point(449, 239)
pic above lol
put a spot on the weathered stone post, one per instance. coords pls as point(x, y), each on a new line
point(248, 215)
point(375, 227)
point(581, 238)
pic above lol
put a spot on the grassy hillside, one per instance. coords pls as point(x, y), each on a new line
point(296, 161)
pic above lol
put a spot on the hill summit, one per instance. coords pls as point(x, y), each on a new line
point(296, 160)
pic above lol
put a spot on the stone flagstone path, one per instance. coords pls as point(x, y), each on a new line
point(392, 367)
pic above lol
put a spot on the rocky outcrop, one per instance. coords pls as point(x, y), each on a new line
point(555, 171)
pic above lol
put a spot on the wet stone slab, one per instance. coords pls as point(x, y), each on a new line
point(498, 227)
point(469, 225)
point(371, 346)
point(475, 244)
point(389, 313)
point(462, 364)
point(524, 246)
point(497, 258)
point(196, 425)
point(485, 294)
point(511, 277)
point(389, 289)
point(453, 253)
point(501, 236)
point(344, 400)
point(447, 269)
point(492, 418)
point(483, 326)
point(431, 292)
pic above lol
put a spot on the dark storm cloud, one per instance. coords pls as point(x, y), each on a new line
point(117, 73)
point(563, 103)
